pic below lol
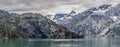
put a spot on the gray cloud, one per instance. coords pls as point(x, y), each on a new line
point(51, 6)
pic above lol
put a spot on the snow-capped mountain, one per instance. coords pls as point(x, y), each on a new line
point(94, 22)
point(61, 16)
point(31, 25)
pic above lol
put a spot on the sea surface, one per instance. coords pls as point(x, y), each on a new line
point(94, 42)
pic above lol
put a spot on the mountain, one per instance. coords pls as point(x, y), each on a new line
point(31, 25)
point(35, 25)
point(102, 21)
point(3, 14)
point(99, 21)
point(61, 16)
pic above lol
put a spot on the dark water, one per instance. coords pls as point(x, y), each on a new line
point(61, 43)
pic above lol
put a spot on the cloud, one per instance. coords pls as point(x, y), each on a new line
point(64, 9)
point(51, 6)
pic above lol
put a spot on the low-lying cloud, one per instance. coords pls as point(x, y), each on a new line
point(51, 6)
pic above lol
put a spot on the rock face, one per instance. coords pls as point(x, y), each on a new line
point(35, 25)
point(94, 22)
point(29, 25)
point(3, 14)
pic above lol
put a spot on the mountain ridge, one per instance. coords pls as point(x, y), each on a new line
point(31, 25)
point(94, 22)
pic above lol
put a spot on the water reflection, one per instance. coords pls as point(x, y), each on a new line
point(101, 42)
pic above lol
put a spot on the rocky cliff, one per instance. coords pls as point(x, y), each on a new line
point(29, 25)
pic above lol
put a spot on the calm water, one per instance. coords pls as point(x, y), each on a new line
point(61, 43)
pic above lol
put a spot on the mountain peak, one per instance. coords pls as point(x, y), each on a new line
point(105, 6)
point(72, 13)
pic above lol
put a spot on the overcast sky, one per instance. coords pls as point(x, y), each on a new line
point(51, 6)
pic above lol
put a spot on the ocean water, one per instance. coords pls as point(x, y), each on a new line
point(95, 42)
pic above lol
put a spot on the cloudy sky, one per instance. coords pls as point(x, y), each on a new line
point(51, 6)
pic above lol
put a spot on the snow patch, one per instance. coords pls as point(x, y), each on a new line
point(114, 18)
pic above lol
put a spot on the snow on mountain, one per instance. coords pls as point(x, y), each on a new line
point(94, 22)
